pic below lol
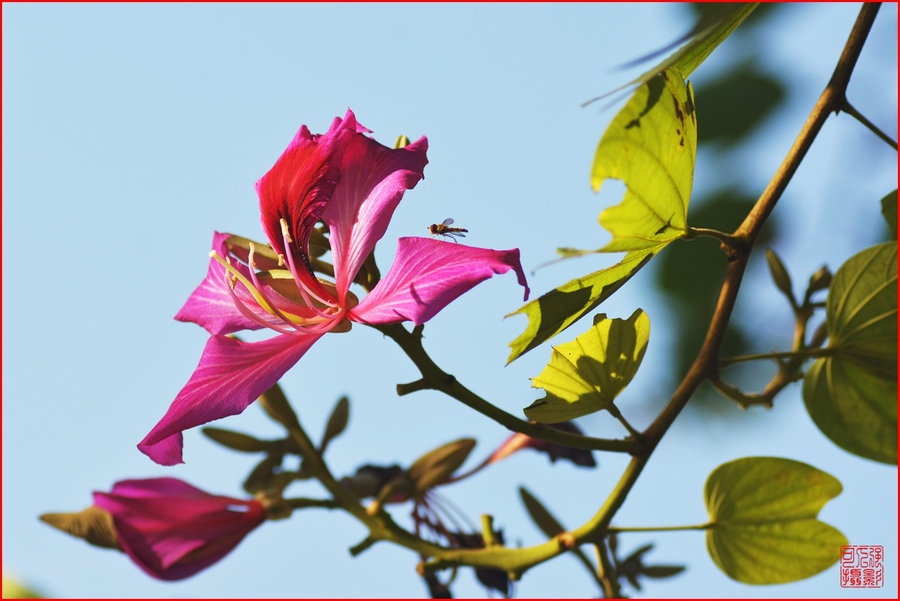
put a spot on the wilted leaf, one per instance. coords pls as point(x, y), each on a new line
point(337, 421)
point(763, 526)
point(585, 375)
point(436, 466)
point(851, 394)
point(92, 524)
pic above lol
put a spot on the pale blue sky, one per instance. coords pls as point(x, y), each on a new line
point(132, 132)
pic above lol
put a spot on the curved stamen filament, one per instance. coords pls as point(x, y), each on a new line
point(276, 311)
point(304, 291)
point(311, 327)
point(257, 295)
point(246, 312)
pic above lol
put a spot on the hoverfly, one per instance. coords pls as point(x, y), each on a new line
point(444, 229)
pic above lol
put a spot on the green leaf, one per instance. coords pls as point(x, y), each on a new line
point(236, 440)
point(855, 410)
point(556, 310)
point(662, 571)
point(337, 422)
point(585, 375)
point(889, 210)
point(651, 146)
point(544, 520)
point(436, 466)
point(851, 395)
point(861, 311)
point(763, 526)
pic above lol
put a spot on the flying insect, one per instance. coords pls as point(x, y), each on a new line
point(444, 229)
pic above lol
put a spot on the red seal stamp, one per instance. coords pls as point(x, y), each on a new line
point(862, 566)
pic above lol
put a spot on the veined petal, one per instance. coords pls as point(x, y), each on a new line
point(300, 184)
point(373, 180)
point(211, 304)
point(231, 375)
point(427, 275)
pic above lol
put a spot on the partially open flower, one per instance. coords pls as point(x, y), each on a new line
point(173, 530)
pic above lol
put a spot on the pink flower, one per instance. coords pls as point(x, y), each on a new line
point(172, 530)
point(353, 184)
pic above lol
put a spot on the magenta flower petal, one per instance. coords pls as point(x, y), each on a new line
point(427, 275)
point(373, 180)
point(211, 304)
point(300, 184)
point(231, 375)
point(173, 530)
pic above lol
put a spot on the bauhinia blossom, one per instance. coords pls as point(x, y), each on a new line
point(171, 529)
point(353, 184)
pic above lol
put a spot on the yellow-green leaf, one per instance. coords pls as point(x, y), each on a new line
point(763, 520)
point(857, 411)
point(585, 375)
point(861, 311)
point(851, 394)
point(556, 310)
point(651, 146)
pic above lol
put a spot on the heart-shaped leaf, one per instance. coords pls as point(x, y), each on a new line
point(763, 527)
point(585, 375)
point(851, 394)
